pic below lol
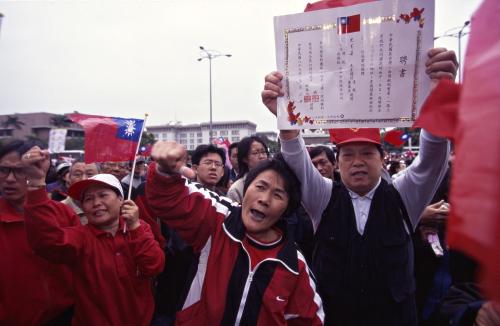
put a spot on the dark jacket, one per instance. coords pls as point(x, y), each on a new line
point(366, 279)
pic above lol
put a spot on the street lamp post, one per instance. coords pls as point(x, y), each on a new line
point(210, 54)
point(1, 16)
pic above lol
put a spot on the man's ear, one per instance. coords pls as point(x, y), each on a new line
point(194, 167)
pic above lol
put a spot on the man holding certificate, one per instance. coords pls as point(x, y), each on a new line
point(363, 257)
point(363, 254)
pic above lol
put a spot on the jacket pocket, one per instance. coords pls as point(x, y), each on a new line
point(396, 265)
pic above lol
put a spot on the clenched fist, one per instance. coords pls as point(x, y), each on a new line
point(169, 155)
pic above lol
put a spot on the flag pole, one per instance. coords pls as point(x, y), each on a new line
point(135, 158)
point(133, 166)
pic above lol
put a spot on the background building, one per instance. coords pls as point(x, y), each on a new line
point(37, 125)
point(192, 135)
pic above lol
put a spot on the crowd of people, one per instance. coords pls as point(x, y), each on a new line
point(343, 236)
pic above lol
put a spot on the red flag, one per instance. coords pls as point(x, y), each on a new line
point(393, 137)
point(474, 223)
point(147, 150)
point(439, 112)
point(109, 139)
point(326, 4)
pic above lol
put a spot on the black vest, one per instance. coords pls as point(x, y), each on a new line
point(365, 279)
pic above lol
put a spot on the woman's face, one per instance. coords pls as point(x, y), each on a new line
point(264, 203)
point(256, 154)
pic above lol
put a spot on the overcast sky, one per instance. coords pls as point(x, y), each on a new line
point(126, 58)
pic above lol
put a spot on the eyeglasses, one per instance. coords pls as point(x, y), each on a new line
point(212, 162)
point(17, 171)
point(257, 153)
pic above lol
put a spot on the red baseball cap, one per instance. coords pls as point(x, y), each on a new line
point(341, 136)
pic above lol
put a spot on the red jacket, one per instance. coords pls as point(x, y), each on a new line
point(32, 290)
point(112, 275)
point(225, 289)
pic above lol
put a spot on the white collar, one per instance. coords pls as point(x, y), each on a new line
point(369, 195)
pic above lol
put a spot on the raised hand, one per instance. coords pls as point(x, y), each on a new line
point(272, 90)
point(37, 163)
point(169, 155)
point(442, 64)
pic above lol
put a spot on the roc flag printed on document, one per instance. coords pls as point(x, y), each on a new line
point(349, 24)
point(109, 139)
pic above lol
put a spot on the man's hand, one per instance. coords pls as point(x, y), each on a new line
point(272, 90)
point(37, 163)
point(130, 213)
point(488, 315)
point(435, 214)
point(442, 64)
point(169, 156)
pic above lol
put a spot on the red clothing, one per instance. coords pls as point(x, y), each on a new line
point(112, 275)
point(32, 290)
point(226, 290)
point(146, 215)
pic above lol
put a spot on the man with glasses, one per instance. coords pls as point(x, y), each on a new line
point(32, 290)
point(208, 164)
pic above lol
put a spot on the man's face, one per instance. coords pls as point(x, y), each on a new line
point(101, 205)
point(324, 166)
point(12, 178)
point(360, 166)
point(264, 202)
point(81, 171)
point(233, 157)
point(140, 169)
point(210, 170)
point(256, 154)
point(118, 169)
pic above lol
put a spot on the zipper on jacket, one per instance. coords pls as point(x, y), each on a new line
point(246, 289)
point(248, 282)
point(244, 298)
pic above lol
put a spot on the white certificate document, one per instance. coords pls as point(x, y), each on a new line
point(354, 67)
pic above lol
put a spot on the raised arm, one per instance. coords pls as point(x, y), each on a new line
point(316, 190)
point(51, 227)
point(419, 183)
point(195, 213)
point(421, 179)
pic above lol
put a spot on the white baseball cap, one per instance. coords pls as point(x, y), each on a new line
point(62, 166)
point(107, 180)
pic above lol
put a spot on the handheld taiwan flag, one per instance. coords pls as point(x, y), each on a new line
point(349, 24)
point(396, 137)
point(109, 139)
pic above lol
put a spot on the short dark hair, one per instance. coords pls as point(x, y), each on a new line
point(292, 184)
point(232, 146)
point(19, 146)
point(318, 150)
point(244, 147)
point(394, 167)
point(202, 150)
